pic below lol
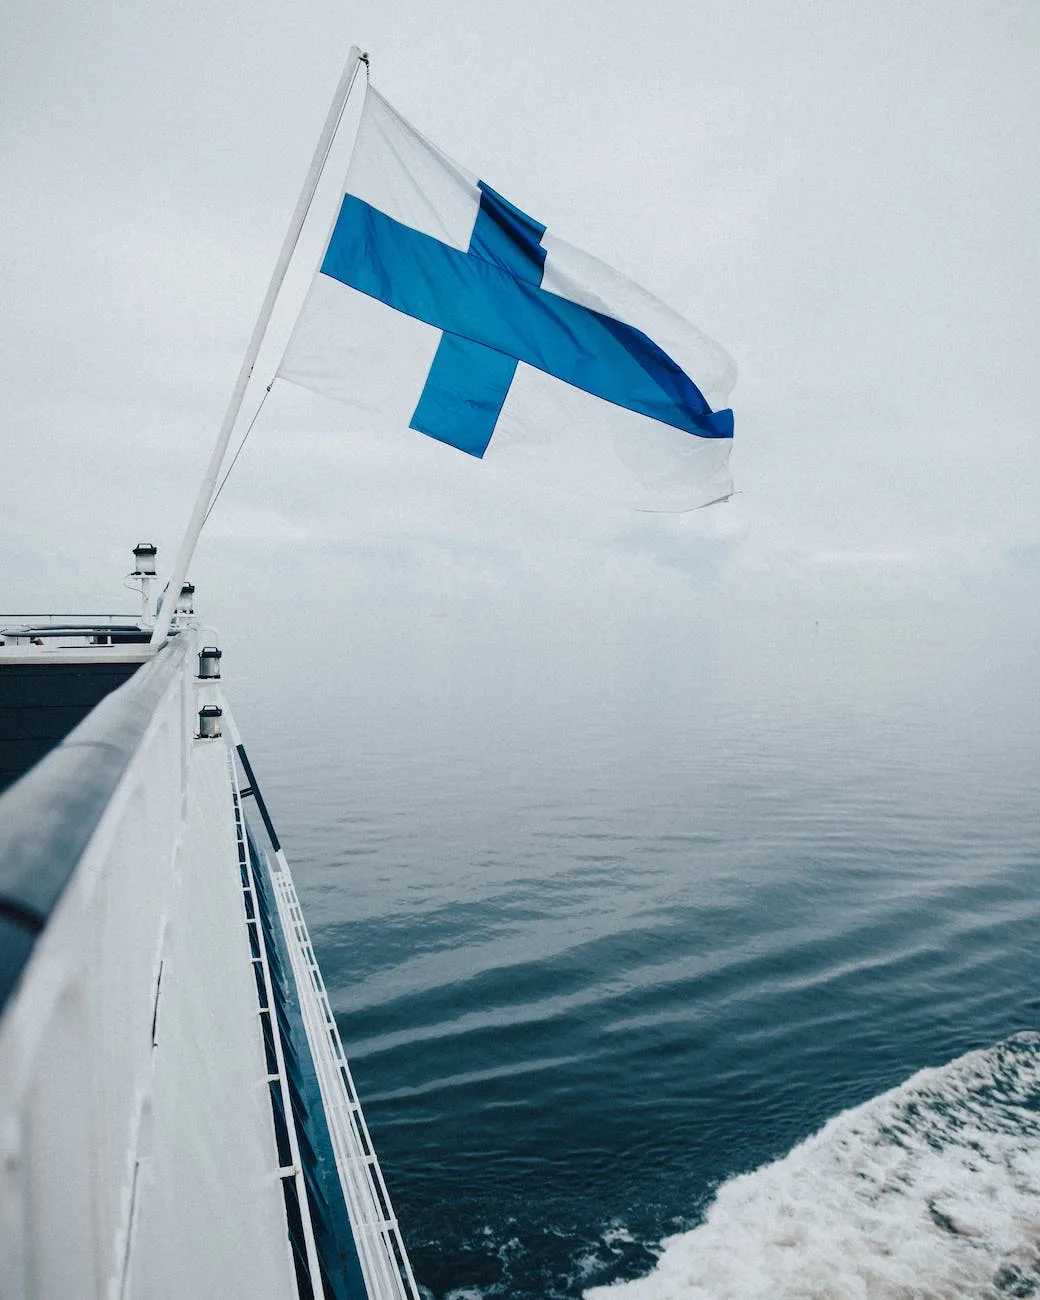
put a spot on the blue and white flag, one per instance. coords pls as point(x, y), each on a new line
point(441, 307)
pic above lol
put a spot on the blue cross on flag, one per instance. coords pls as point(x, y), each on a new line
point(442, 307)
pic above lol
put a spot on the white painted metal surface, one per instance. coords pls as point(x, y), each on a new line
point(76, 1054)
point(138, 1155)
point(210, 1217)
point(137, 1151)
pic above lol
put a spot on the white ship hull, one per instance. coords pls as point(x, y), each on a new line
point(177, 1118)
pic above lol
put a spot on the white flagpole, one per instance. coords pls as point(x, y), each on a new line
point(346, 82)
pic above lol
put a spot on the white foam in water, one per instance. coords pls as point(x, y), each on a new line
point(928, 1192)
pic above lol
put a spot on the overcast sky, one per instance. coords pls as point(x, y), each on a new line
point(845, 196)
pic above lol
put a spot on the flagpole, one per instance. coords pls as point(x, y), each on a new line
point(346, 83)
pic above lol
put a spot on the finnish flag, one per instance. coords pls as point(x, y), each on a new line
point(441, 307)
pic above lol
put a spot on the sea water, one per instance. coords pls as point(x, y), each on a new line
point(701, 979)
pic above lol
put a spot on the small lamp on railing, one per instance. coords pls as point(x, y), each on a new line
point(209, 721)
point(209, 663)
point(144, 560)
point(186, 600)
point(144, 572)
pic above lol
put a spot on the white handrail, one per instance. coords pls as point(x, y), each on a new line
point(381, 1251)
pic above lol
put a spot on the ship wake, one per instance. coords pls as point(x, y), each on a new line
point(928, 1192)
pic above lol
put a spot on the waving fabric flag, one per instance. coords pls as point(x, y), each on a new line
point(442, 307)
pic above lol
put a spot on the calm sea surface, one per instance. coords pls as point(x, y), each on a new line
point(600, 943)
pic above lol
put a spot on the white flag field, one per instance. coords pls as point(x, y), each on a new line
point(442, 308)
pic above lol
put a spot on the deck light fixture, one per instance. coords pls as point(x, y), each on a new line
point(209, 721)
point(209, 662)
point(144, 560)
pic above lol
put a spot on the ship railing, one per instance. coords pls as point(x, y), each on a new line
point(47, 633)
point(77, 620)
point(384, 1260)
point(381, 1251)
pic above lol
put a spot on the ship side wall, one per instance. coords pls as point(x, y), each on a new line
point(137, 1151)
